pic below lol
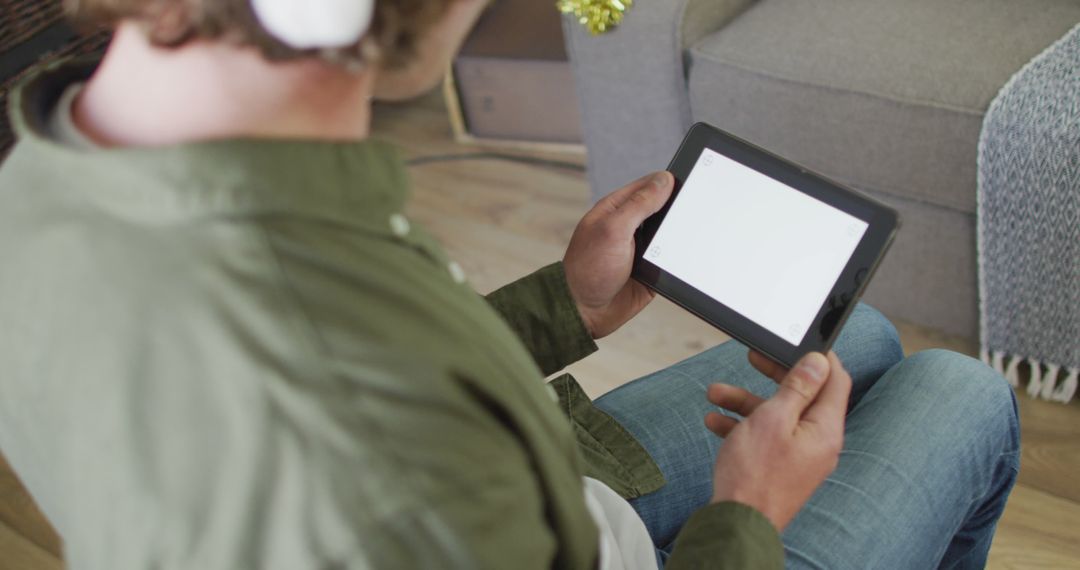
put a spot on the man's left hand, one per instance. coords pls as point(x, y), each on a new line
point(601, 254)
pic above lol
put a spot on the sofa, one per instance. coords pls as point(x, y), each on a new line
point(886, 97)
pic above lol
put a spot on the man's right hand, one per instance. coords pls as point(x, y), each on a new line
point(785, 446)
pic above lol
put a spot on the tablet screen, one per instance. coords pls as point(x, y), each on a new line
point(754, 244)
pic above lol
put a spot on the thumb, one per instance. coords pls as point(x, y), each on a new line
point(801, 386)
point(642, 202)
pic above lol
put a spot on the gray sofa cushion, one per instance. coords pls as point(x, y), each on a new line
point(929, 275)
point(882, 95)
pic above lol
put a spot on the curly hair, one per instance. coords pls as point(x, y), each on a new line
point(391, 40)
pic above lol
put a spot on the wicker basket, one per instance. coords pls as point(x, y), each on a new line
point(34, 32)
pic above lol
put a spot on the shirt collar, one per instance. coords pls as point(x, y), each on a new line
point(352, 182)
point(62, 125)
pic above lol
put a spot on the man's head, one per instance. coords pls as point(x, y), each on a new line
point(410, 42)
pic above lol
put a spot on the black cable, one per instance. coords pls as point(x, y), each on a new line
point(566, 165)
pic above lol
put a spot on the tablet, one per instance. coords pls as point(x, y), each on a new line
point(761, 248)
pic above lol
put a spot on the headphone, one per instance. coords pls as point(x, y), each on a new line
point(315, 24)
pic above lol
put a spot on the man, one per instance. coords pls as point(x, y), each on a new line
point(224, 346)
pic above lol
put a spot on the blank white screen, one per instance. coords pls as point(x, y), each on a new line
point(767, 251)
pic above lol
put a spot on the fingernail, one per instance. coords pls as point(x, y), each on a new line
point(660, 179)
point(814, 366)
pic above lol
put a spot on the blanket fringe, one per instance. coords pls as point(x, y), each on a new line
point(1049, 381)
point(997, 361)
point(1067, 390)
point(1035, 383)
point(1043, 378)
point(1012, 372)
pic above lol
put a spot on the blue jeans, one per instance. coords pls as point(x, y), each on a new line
point(931, 452)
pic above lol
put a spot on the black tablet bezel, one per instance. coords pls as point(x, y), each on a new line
point(882, 222)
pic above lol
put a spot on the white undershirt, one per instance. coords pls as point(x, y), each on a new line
point(624, 541)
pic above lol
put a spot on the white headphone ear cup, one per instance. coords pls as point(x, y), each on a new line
point(314, 24)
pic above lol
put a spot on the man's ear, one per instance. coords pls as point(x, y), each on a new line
point(169, 24)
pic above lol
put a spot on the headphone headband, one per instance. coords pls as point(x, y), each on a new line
point(315, 24)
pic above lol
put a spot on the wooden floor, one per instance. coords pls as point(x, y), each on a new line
point(501, 220)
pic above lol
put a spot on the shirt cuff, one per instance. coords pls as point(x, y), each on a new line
point(540, 309)
point(727, 535)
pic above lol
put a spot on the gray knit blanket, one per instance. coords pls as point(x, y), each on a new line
point(1029, 224)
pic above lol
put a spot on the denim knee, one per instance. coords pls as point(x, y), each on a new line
point(972, 390)
point(961, 377)
point(872, 325)
point(868, 346)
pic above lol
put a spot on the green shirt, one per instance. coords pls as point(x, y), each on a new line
point(240, 354)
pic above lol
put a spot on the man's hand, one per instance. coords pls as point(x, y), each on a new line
point(786, 446)
point(601, 254)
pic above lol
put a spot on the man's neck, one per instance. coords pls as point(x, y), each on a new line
point(143, 95)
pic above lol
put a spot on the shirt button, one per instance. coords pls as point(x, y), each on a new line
point(456, 272)
point(399, 225)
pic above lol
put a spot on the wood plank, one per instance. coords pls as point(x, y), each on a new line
point(660, 336)
point(1050, 451)
point(917, 338)
point(20, 514)
point(1038, 530)
point(18, 553)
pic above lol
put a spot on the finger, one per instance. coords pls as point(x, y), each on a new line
point(830, 408)
point(720, 424)
point(733, 398)
point(638, 205)
point(800, 387)
point(766, 366)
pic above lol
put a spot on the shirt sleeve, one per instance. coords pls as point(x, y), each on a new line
point(727, 535)
point(539, 308)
